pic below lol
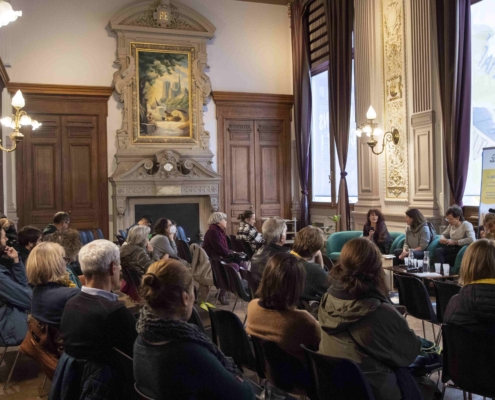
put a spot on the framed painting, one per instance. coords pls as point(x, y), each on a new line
point(164, 94)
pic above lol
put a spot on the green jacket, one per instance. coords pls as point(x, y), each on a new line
point(377, 328)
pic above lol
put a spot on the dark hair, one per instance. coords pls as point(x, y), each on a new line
point(282, 283)
point(162, 286)
point(416, 216)
point(245, 215)
point(360, 268)
point(308, 241)
point(60, 217)
point(28, 234)
point(161, 226)
point(456, 212)
point(378, 213)
point(147, 218)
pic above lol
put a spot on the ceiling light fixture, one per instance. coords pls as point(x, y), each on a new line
point(7, 13)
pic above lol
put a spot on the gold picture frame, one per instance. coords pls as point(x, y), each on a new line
point(164, 94)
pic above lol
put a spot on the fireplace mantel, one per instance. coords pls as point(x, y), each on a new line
point(166, 173)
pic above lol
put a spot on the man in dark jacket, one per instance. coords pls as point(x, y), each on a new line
point(61, 221)
point(274, 232)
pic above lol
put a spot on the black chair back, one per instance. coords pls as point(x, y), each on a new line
point(120, 239)
point(248, 276)
point(231, 338)
point(337, 378)
point(282, 369)
point(414, 296)
point(195, 319)
point(247, 249)
point(236, 244)
point(236, 285)
point(229, 242)
point(220, 277)
point(327, 262)
point(83, 237)
point(123, 234)
point(183, 250)
point(99, 233)
point(468, 359)
point(444, 292)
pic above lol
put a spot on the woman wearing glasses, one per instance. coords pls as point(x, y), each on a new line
point(459, 233)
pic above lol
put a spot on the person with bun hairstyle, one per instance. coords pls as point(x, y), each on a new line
point(174, 359)
point(247, 231)
point(376, 230)
point(359, 322)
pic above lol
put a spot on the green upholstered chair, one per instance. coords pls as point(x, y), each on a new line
point(398, 241)
point(337, 240)
point(458, 261)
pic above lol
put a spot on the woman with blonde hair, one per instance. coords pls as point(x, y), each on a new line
point(174, 359)
point(359, 322)
point(474, 306)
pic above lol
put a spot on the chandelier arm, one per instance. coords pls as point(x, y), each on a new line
point(9, 150)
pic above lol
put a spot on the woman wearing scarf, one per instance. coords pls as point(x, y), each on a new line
point(173, 359)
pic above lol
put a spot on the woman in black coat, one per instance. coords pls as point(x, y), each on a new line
point(474, 306)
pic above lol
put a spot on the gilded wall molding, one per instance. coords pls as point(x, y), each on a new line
point(395, 107)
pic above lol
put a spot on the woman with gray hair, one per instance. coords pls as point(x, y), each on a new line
point(215, 243)
point(137, 254)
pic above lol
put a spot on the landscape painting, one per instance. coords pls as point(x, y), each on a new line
point(163, 90)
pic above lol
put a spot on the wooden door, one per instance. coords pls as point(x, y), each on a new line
point(62, 166)
point(254, 155)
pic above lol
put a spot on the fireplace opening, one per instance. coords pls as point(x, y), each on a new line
point(185, 214)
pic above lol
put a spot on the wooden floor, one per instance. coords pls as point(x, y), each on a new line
point(27, 378)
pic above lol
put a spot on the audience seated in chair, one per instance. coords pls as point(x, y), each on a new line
point(70, 240)
point(419, 234)
point(9, 227)
point(215, 245)
point(27, 238)
point(474, 306)
point(459, 233)
point(174, 359)
point(52, 289)
point(274, 315)
point(274, 234)
point(15, 297)
point(163, 240)
point(94, 322)
point(145, 220)
point(488, 231)
point(247, 231)
point(307, 246)
point(376, 230)
point(137, 253)
point(359, 322)
point(61, 222)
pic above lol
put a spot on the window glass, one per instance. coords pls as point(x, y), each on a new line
point(483, 94)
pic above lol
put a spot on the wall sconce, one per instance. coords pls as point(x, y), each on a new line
point(7, 13)
point(371, 129)
point(17, 120)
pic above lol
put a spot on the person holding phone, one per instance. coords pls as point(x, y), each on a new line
point(375, 230)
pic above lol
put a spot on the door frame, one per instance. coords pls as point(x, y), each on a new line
point(256, 106)
point(68, 100)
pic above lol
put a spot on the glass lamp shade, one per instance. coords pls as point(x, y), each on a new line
point(35, 124)
point(7, 14)
point(25, 120)
point(18, 101)
point(377, 132)
point(371, 114)
point(359, 132)
point(7, 121)
point(367, 129)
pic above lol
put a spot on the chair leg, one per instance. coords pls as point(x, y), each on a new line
point(42, 387)
point(237, 298)
point(437, 342)
point(424, 331)
point(216, 297)
point(3, 355)
point(11, 370)
point(434, 337)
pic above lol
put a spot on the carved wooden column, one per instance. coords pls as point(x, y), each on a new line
point(423, 185)
point(367, 75)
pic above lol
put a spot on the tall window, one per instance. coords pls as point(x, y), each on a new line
point(325, 165)
point(483, 94)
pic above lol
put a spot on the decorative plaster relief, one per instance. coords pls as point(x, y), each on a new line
point(396, 170)
point(168, 190)
point(135, 190)
point(205, 189)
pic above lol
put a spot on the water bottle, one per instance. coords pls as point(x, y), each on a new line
point(426, 262)
point(411, 258)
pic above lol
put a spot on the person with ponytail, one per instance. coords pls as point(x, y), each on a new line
point(247, 231)
point(359, 322)
point(174, 359)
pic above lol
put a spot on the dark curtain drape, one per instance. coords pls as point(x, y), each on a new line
point(340, 21)
point(454, 65)
point(302, 101)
